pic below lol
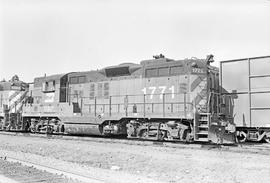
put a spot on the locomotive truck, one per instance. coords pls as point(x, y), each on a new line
point(158, 99)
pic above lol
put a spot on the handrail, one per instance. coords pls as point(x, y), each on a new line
point(179, 104)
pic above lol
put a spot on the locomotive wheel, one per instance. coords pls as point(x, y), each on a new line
point(33, 130)
point(62, 128)
point(267, 137)
point(143, 134)
point(162, 135)
point(168, 136)
point(189, 137)
point(49, 130)
point(241, 136)
point(153, 136)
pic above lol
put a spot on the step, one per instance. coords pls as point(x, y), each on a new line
point(203, 126)
point(202, 133)
point(203, 117)
point(202, 139)
point(203, 120)
point(204, 114)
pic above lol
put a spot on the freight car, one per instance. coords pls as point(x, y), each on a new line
point(161, 99)
point(247, 81)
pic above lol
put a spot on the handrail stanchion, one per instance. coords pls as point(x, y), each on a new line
point(81, 106)
point(163, 104)
point(144, 105)
point(95, 106)
point(185, 105)
point(110, 106)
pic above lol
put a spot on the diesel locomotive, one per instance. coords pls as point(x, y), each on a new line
point(13, 94)
point(158, 99)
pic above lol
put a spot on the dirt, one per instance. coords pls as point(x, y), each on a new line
point(134, 163)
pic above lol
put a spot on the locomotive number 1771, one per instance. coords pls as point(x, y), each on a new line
point(158, 90)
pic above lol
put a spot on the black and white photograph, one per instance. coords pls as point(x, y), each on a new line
point(134, 91)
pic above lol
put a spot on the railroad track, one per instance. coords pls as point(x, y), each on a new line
point(250, 147)
point(62, 173)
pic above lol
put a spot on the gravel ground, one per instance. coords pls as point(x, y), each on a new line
point(141, 163)
point(25, 174)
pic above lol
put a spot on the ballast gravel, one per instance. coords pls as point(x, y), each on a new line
point(25, 174)
point(134, 163)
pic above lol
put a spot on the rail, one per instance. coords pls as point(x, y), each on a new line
point(247, 147)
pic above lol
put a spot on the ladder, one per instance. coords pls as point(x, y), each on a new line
point(201, 127)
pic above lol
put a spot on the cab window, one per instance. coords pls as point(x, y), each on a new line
point(175, 70)
point(73, 80)
point(81, 79)
point(151, 72)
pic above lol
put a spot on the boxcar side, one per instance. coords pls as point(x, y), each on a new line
point(248, 82)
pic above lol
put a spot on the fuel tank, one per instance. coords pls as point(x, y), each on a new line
point(81, 125)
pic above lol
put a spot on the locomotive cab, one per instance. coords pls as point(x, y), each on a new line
point(45, 104)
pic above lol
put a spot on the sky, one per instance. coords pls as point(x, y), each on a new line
point(60, 36)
